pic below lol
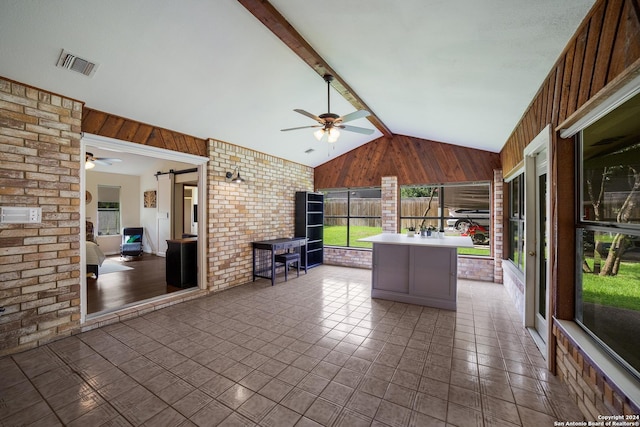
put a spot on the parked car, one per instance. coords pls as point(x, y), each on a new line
point(481, 216)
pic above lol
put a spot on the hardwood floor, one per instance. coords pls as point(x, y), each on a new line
point(145, 280)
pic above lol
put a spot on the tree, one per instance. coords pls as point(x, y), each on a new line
point(620, 242)
point(417, 191)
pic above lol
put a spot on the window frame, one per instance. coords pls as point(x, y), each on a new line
point(442, 197)
point(111, 206)
point(582, 225)
point(517, 219)
point(349, 217)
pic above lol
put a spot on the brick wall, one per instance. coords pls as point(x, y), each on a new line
point(344, 257)
point(389, 194)
point(39, 263)
point(473, 268)
point(476, 268)
point(592, 390)
point(260, 208)
point(513, 281)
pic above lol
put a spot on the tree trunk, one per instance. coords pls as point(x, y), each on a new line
point(612, 263)
point(433, 193)
point(619, 244)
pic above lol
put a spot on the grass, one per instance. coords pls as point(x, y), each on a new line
point(621, 291)
point(336, 235)
point(479, 251)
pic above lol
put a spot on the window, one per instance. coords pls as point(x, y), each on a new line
point(516, 221)
point(352, 214)
point(108, 210)
point(464, 208)
point(608, 233)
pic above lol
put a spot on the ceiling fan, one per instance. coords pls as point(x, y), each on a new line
point(91, 161)
point(329, 123)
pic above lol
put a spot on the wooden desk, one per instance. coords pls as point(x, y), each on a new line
point(264, 254)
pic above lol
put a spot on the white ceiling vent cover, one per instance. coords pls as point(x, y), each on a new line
point(74, 63)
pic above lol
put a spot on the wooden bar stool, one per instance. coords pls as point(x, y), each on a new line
point(288, 259)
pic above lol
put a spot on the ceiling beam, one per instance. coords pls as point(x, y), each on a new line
point(274, 21)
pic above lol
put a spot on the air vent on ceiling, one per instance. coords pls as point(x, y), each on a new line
point(310, 150)
point(74, 63)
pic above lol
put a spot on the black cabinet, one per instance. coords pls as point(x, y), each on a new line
point(309, 223)
point(182, 262)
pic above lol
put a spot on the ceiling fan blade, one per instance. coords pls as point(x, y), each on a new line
point(355, 115)
point(356, 129)
point(301, 127)
point(308, 114)
point(105, 160)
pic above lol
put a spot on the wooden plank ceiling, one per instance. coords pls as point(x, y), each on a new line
point(112, 126)
point(412, 160)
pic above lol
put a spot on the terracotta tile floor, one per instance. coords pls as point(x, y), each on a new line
point(316, 350)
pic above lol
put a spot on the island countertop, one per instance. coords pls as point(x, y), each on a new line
point(403, 239)
point(416, 270)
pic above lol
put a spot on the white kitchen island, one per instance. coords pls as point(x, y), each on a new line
point(416, 270)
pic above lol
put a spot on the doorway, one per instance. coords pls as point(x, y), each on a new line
point(139, 186)
point(537, 270)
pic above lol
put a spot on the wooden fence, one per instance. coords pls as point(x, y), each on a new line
point(410, 207)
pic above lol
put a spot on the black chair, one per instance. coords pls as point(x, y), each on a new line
point(288, 259)
point(131, 242)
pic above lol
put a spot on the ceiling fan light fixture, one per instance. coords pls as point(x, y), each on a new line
point(90, 160)
point(319, 134)
point(334, 134)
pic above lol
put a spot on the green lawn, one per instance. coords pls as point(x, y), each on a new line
point(481, 250)
point(336, 235)
point(621, 291)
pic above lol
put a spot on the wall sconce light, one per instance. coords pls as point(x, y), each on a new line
point(234, 176)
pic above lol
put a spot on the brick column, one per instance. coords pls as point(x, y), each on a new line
point(39, 263)
point(389, 204)
point(498, 231)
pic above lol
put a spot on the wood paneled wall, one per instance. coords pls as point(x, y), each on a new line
point(605, 50)
point(604, 47)
point(412, 160)
point(112, 126)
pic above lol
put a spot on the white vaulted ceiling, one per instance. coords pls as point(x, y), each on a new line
point(458, 72)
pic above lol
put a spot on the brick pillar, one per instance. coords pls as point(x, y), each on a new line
point(498, 231)
point(389, 204)
point(39, 263)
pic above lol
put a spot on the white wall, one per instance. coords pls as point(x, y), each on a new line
point(134, 214)
point(130, 204)
point(148, 182)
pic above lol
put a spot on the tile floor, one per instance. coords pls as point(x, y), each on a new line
point(316, 350)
